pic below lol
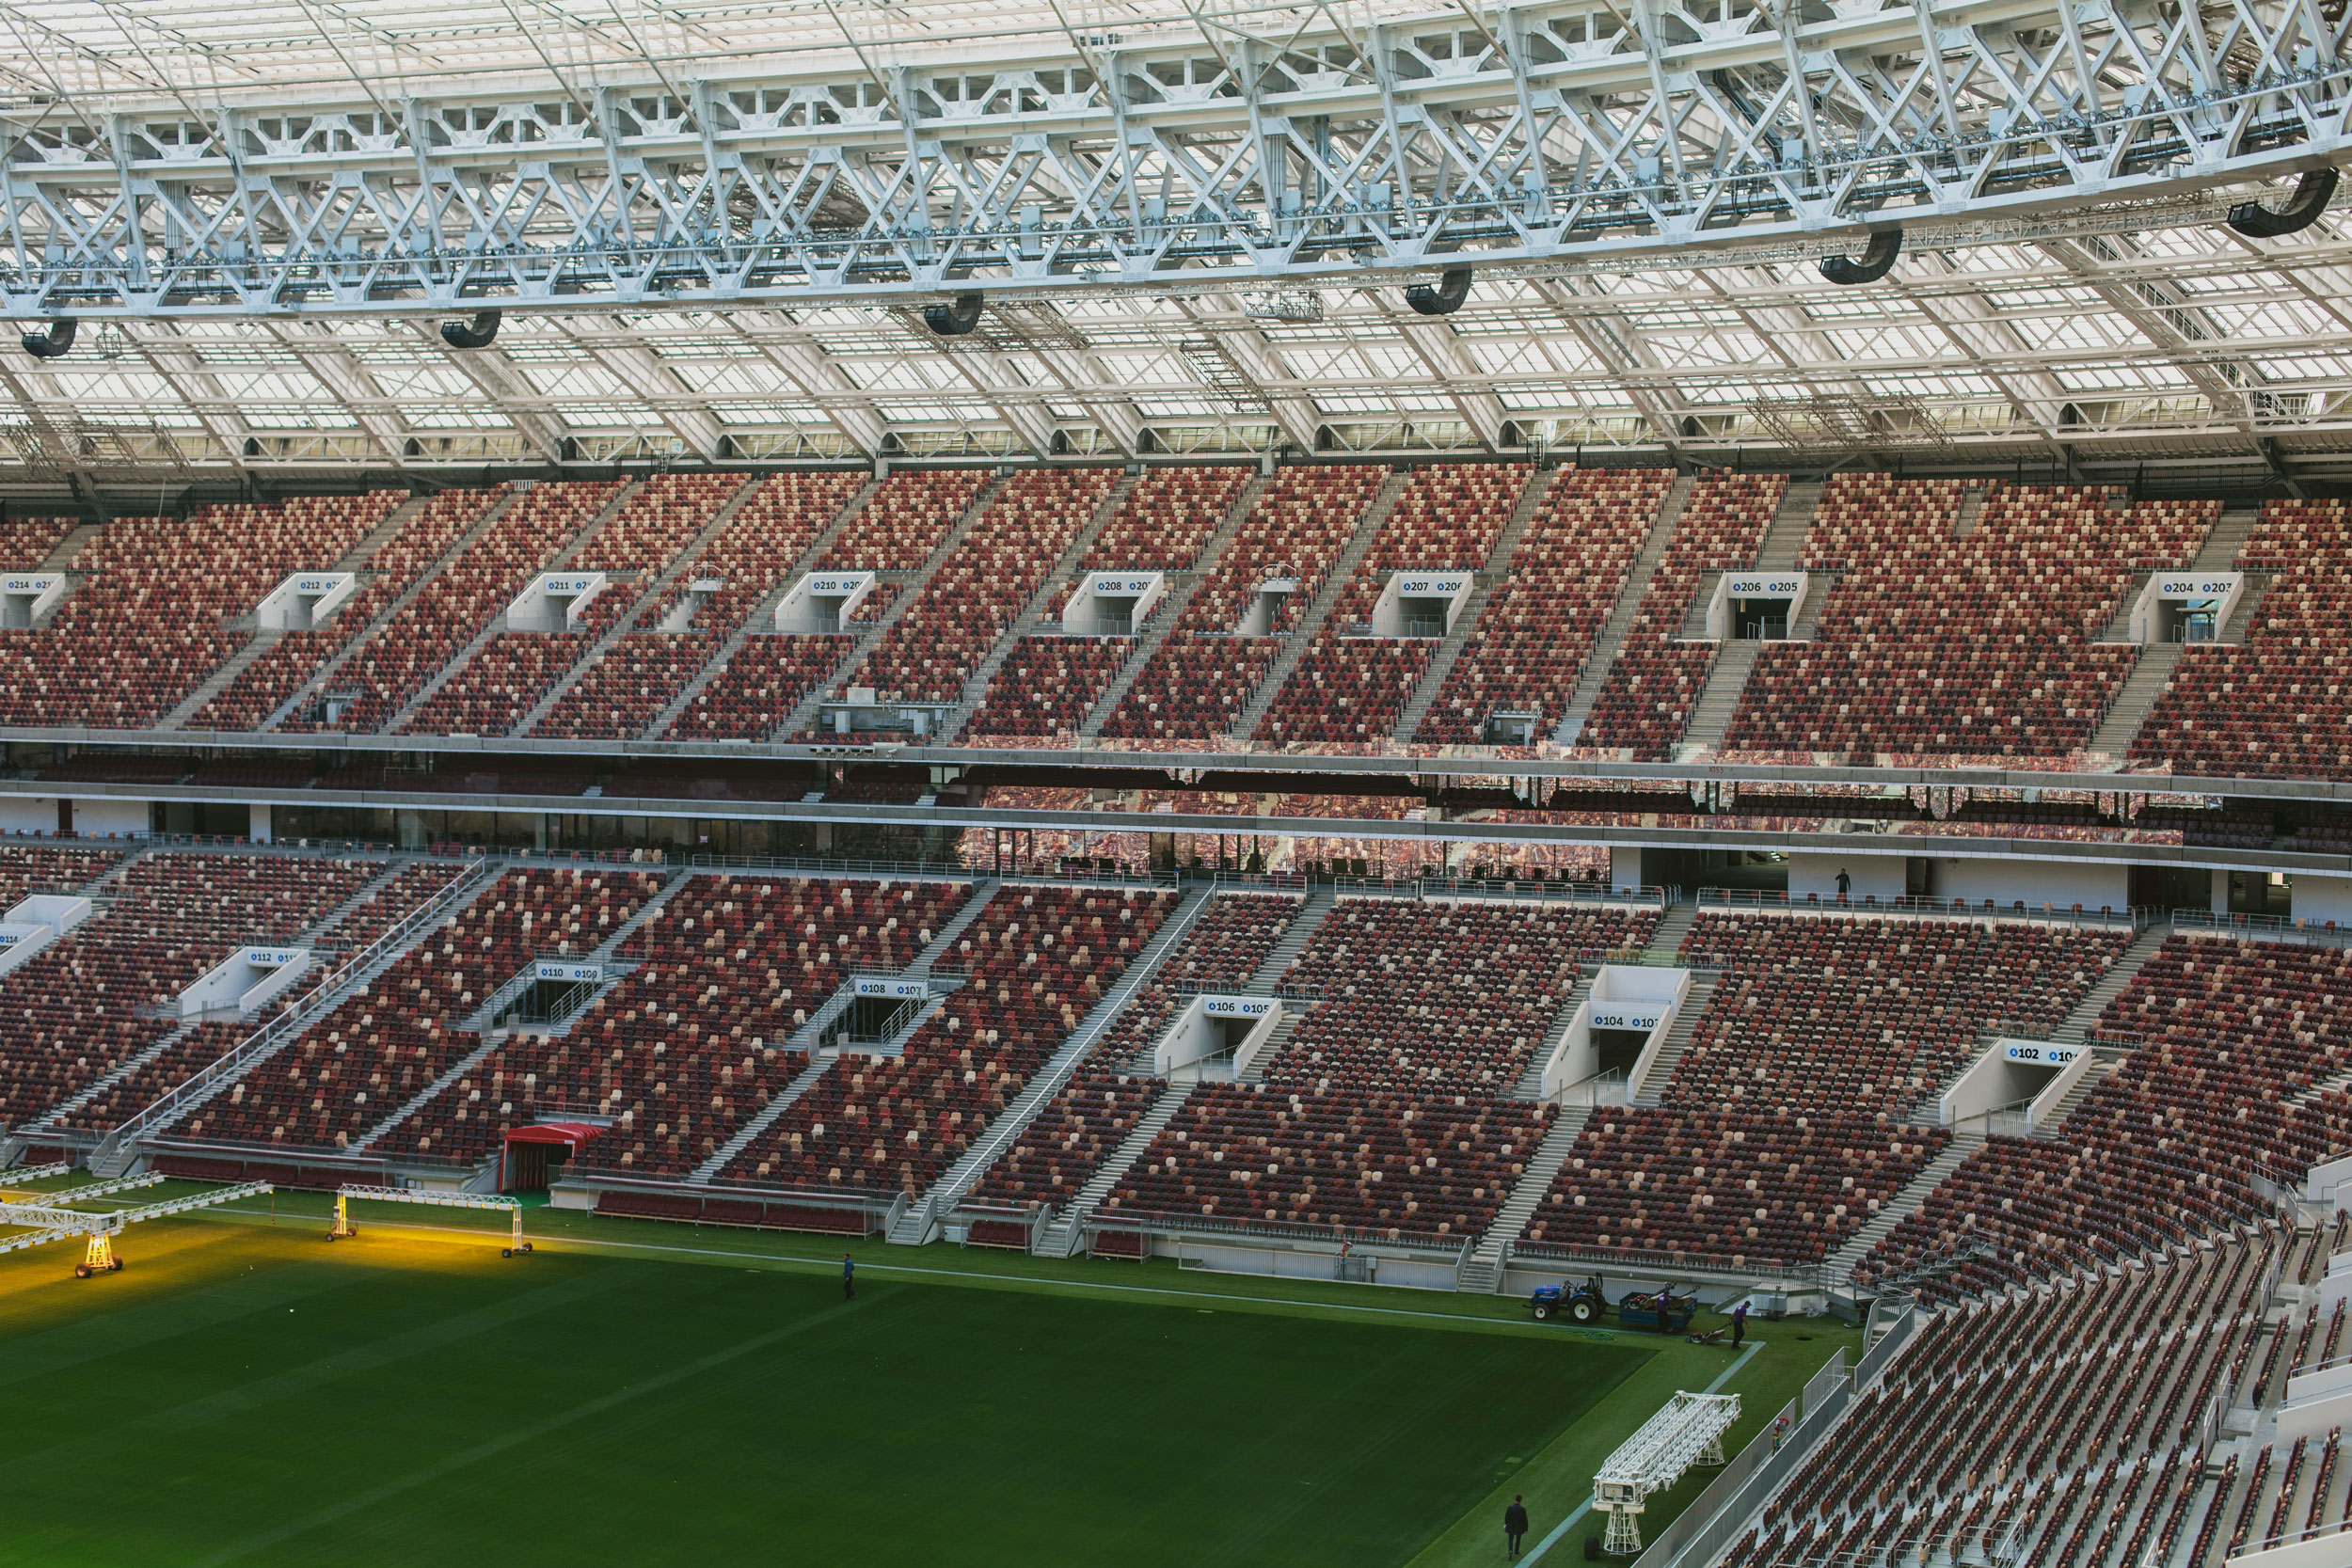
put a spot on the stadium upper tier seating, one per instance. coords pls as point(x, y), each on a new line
point(1530, 643)
point(2278, 704)
point(1034, 961)
point(1987, 645)
point(903, 521)
point(1645, 699)
point(147, 621)
point(1048, 684)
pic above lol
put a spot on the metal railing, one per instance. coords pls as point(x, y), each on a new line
point(2265, 928)
point(1645, 1262)
point(1955, 908)
point(294, 1015)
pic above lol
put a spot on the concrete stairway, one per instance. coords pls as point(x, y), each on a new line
point(1666, 943)
point(942, 941)
point(319, 683)
point(496, 621)
point(1719, 699)
point(1491, 577)
point(1783, 543)
point(2093, 1075)
point(1064, 569)
point(762, 616)
point(261, 642)
point(1172, 602)
point(1971, 508)
point(1293, 942)
point(1530, 1083)
point(2076, 1026)
point(804, 713)
point(327, 922)
point(1482, 1272)
point(1661, 1072)
point(1620, 621)
point(644, 597)
point(1807, 624)
point(2249, 608)
point(2227, 538)
point(1061, 1239)
point(2141, 690)
point(1894, 1210)
point(1277, 1040)
point(750, 1132)
point(65, 1108)
point(61, 556)
point(915, 1226)
point(1302, 636)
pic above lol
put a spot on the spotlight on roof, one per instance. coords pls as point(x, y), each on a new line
point(954, 319)
point(479, 333)
point(1453, 288)
point(53, 343)
point(2311, 194)
point(1876, 262)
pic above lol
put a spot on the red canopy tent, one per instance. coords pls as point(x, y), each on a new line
point(526, 1167)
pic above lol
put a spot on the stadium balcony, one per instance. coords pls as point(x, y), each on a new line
point(1528, 649)
point(1644, 700)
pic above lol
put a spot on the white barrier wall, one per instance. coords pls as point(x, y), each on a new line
point(1125, 597)
point(2058, 883)
point(1201, 1030)
point(2317, 899)
point(1880, 877)
point(553, 601)
point(2217, 591)
point(305, 599)
point(823, 601)
point(1623, 996)
point(21, 940)
point(1732, 586)
point(2008, 1071)
point(61, 911)
point(247, 980)
point(25, 598)
point(98, 818)
point(1421, 595)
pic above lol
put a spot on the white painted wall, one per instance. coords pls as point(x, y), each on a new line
point(258, 815)
point(97, 819)
point(28, 813)
point(1874, 876)
point(2317, 899)
point(1625, 866)
point(2058, 884)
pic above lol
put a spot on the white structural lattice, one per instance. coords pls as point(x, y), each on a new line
point(1688, 1431)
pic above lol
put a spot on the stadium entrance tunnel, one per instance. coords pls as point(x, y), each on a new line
point(530, 1156)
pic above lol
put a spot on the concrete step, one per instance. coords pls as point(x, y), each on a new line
point(1294, 941)
point(2219, 553)
point(1893, 1212)
point(1719, 699)
point(1666, 943)
point(1783, 544)
point(944, 941)
point(2141, 690)
point(749, 1132)
point(218, 681)
point(61, 557)
point(1527, 1194)
point(1661, 1072)
point(1496, 572)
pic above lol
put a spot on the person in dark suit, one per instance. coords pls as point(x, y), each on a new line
point(1515, 1524)
point(849, 1278)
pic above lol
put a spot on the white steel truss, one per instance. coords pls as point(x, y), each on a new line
point(711, 227)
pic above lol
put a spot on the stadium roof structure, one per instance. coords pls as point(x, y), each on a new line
point(712, 230)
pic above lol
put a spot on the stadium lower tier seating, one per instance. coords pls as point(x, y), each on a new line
point(2062, 1426)
point(1390, 1167)
point(1708, 1186)
point(1034, 962)
point(1066, 1143)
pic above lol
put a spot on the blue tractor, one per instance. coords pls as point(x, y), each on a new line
point(1578, 1304)
point(1667, 1310)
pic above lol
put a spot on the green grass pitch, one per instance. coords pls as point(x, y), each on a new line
point(245, 1393)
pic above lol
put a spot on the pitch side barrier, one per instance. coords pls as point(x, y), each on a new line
point(2135, 918)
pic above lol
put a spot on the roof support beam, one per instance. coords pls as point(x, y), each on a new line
point(1441, 349)
point(661, 389)
point(503, 384)
point(796, 355)
point(1299, 420)
point(339, 371)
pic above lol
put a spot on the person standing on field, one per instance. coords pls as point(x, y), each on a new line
point(849, 1278)
point(1515, 1524)
point(1738, 1322)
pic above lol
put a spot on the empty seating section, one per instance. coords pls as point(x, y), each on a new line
point(1977, 645)
point(903, 521)
point(693, 1043)
point(466, 597)
point(1066, 1142)
point(29, 868)
point(2279, 703)
point(503, 681)
point(653, 527)
point(619, 695)
point(930, 651)
point(1034, 962)
point(1724, 1188)
point(1391, 1165)
point(760, 683)
point(26, 542)
point(1538, 627)
point(1163, 522)
point(756, 553)
point(1862, 1015)
point(1230, 939)
point(1049, 684)
point(2063, 1426)
point(162, 1071)
point(1348, 688)
point(1645, 699)
point(411, 888)
point(357, 1065)
point(1439, 998)
point(2231, 1052)
point(423, 538)
point(237, 898)
point(146, 624)
point(1192, 687)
